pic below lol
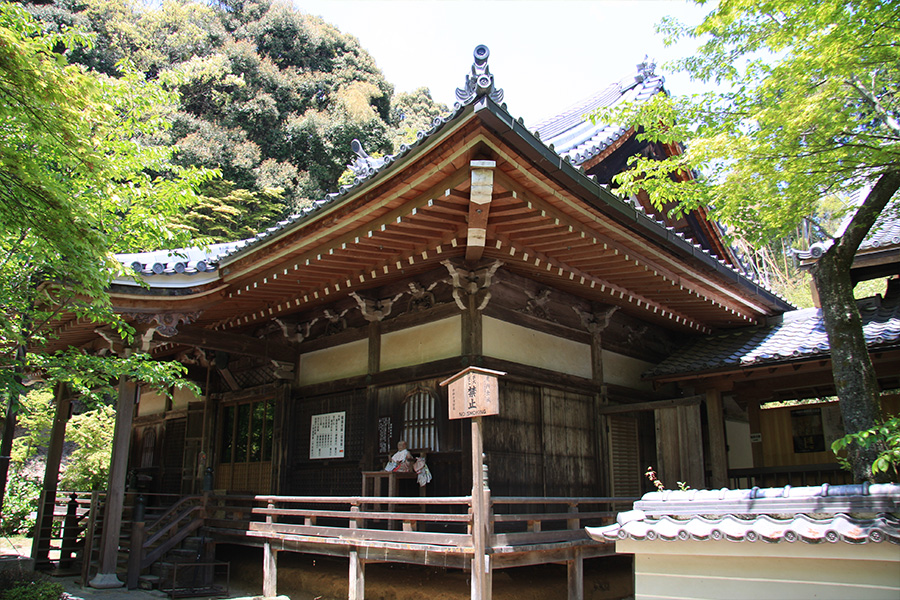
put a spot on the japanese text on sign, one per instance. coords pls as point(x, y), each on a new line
point(326, 436)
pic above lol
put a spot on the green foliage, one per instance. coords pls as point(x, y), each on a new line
point(29, 586)
point(35, 418)
point(88, 465)
point(412, 112)
point(20, 503)
point(810, 111)
point(885, 439)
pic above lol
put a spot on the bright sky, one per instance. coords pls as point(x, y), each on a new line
point(544, 55)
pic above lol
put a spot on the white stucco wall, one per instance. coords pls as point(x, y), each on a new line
point(753, 570)
point(421, 344)
point(151, 403)
point(346, 360)
point(740, 452)
point(619, 369)
point(529, 347)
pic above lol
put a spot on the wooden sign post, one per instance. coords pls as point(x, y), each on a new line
point(472, 394)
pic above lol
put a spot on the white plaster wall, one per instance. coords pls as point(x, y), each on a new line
point(740, 454)
point(623, 370)
point(421, 344)
point(151, 403)
point(182, 397)
point(736, 570)
point(329, 364)
point(535, 348)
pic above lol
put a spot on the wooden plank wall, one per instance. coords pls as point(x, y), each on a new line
point(542, 443)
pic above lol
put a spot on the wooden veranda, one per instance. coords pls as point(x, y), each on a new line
point(430, 531)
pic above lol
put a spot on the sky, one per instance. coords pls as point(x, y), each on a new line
point(544, 55)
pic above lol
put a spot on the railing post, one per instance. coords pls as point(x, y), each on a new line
point(270, 560)
point(357, 576)
point(136, 551)
point(70, 533)
point(90, 532)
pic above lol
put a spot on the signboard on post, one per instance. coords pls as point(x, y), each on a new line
point(473, 392)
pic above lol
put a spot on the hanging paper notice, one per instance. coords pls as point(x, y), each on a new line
point(473, 392)
point(326, 436)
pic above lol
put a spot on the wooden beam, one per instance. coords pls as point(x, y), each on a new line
point(480, 196)
point(235, 343)
point(645, 406)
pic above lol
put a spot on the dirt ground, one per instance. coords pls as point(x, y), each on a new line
point(308, 577)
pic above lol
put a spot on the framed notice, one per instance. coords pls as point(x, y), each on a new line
point(473, 392)
point(326, 436)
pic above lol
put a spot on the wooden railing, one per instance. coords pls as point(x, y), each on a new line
point(798, 475)
point(62, 535)
point(346, 520)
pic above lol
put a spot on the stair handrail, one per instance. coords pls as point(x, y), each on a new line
point(178, 517)
point(172, 511)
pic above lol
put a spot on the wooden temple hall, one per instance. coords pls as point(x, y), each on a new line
point(322, 343)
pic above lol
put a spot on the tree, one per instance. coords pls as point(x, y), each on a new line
point(810, 109)
point(80, 178)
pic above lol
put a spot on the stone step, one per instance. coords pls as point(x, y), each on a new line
point(148, 582)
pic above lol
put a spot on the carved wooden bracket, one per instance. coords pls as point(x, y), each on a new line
point(595, 322)
point(471, 282)
point(375, 310)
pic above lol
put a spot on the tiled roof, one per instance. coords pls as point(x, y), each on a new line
point(574, 136)
point(800, 334)
point(479, 87)
point(854, 514)
point(884, 234)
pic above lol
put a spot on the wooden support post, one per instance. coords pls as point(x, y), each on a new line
point(718, 452)
point(70, 533)
point(115, 495)
point(357, 576)
point(270, 570)
point(575, 568)
point(40, 548)
point(136, 550)
point(481, 568)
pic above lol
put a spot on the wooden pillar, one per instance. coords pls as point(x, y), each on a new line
point(270, 570)
point(472, 330)
point(40, 548)
point(115, 492)
point(481, 581)
point(718, 451)
point(575, 569)
point(357, 576)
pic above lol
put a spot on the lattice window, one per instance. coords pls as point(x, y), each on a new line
point(420, 421)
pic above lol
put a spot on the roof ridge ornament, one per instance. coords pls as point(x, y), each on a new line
point(480, 82)
point(364, 165)
point(646, 69)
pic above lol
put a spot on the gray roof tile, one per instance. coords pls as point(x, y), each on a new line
point(854, 514)
point(800, 334)
point(574, 137)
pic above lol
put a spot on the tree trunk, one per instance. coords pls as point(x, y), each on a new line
point(9, 425)
point(854, 375)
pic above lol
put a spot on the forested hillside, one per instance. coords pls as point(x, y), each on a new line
point(268, 95)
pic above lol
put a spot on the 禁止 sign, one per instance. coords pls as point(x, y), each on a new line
point(473, 392)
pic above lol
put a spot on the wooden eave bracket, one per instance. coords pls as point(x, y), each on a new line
point(480, 195)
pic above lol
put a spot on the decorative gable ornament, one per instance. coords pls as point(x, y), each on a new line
point(480, 82)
